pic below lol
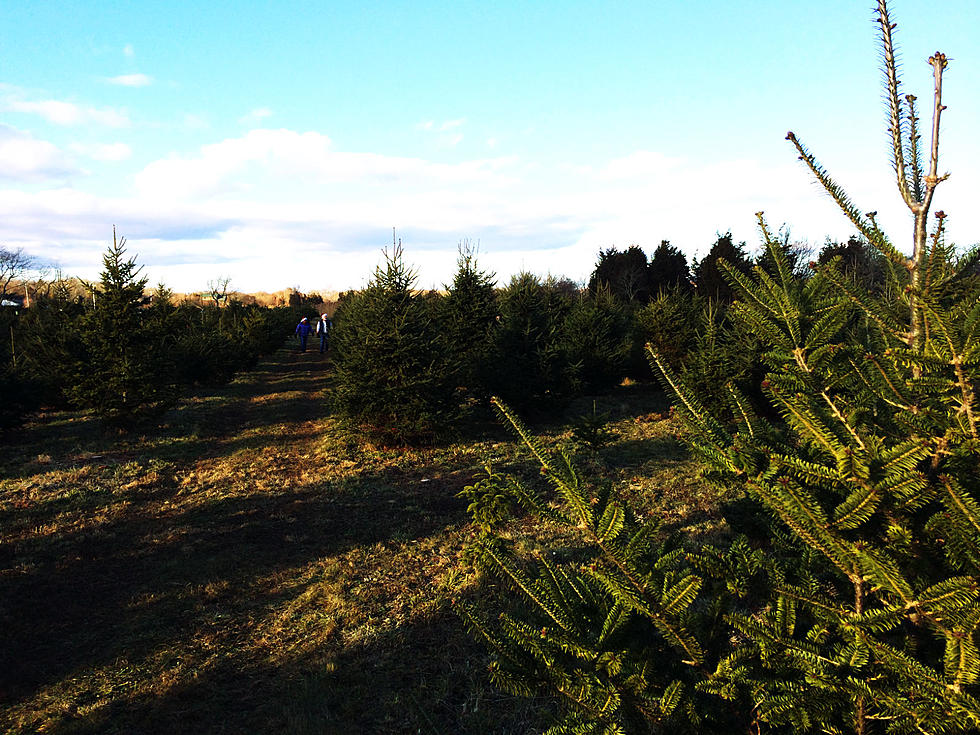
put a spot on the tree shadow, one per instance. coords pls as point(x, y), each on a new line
point(425, 676)
point(126, 587)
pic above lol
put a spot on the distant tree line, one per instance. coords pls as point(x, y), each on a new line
point(411, 364)
point(124, 354)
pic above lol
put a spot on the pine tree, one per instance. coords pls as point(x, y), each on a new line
point(875, 466)
point(532, 369)
point(707, 272)
point(668, 270)
point(124, 376)
point(392, 376)
point(469, 314)
point(609, 626)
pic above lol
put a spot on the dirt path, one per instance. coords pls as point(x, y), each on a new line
point(247, 567)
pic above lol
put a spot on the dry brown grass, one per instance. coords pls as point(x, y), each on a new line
point(248, 567)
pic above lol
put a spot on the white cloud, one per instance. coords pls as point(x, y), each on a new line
point(255, 116)
point(128, 51)
point(102, 151)
point(24, 158)
point(64, 113)
point(264, 160)
point(277, 207)
point(447, 131)
point(131, 80)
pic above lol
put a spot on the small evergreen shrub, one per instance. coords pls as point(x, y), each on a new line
point(596, 337)
point(393, 378)
point(530, 366)
point(468, 317)
point(124, 375)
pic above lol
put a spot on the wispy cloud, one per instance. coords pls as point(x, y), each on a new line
point(24, 158)
point(255, 116)
point(128, 51)
point(131, 80)
point(102, 151)
point(270, 198)
point(447, 131)
point(65, 113)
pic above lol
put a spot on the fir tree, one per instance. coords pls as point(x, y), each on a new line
point(708, 278)
point(859, 613)
point(596, 339)
point(532, 369)
point(668, 270)
point(624, 274)
point(124, 376)
point(875, 466)
point(393, 378)
point(469, 313)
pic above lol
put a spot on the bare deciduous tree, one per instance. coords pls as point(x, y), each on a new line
point(14, 264)
point(218, 289)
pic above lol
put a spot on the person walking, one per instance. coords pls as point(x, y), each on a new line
point(303, 330)
point(323, 328)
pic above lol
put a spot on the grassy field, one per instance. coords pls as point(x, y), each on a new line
point(249, 568)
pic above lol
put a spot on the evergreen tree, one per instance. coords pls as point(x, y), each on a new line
point(796, 254)
point(670, 324)
point(668, 270)
point(708, 278)
point(596, 338)
point(858, 261)
point(531, 366)
point(393, 378)
point(623, 273)
point(858, 610)
point(469, 313)
point(875, 466)
point(124, 375)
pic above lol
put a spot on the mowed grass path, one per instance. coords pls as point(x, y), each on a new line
point(249, 568)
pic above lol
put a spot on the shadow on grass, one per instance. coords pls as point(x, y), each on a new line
point(125, 588)
point(424, 677)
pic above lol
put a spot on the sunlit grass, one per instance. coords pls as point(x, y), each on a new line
point(250, 567)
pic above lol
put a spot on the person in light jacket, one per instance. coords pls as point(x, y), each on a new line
point(323, 328)
point(303, 330)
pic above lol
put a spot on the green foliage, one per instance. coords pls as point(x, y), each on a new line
point(859, 262)
point(93, 351)
point(668, 270)
point(707, 272)
point(393, 378)
point(623, 274)
point(591, 430)
point(605, 626)
point(874, 467)
point(469, 314)
point(531, 368)
point(596, 337)
point(123, 375)
point(855, 606)
point(670, 324)
point(725, 351)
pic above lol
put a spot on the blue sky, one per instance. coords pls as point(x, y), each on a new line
point(278, 143)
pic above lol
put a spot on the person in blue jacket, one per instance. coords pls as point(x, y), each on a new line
point(303, 330)
point(323, 330)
